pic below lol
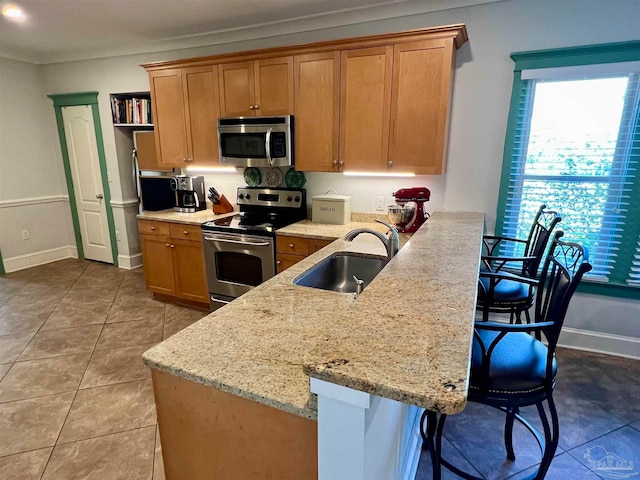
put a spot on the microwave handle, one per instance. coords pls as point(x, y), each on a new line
point(267, 146)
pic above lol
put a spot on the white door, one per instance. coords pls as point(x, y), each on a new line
point(82, 146)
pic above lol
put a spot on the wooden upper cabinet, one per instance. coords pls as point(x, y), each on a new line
point(422, 74)
point(365, 100)
point(256, 88)
point(169, 116)
point(202, 110)
point(317, 101)
point(185, 111)
point(237, 89)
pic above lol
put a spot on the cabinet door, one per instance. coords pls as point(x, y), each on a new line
point(158, 264)
point(365, 101)
point(422, 73)
point(168, 116)
point(188, 265)
point(236, 84)
point(286, 260)
point(274, 86)
point(317, 101)
point(202, 110)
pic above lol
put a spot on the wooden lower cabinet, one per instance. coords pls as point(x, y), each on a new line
point(174, 260)
point(291, 249)
point(208, 434)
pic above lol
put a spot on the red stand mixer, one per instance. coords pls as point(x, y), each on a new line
point(409, 215)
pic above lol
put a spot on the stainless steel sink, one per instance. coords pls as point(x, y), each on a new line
point(336, 272)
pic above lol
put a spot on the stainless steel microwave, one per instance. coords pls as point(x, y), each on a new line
point(256, 141)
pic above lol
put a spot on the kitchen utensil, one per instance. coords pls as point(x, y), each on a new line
point(294, 179)
point(415, 197)
point(400, 215)
point(252, 176)
point(272, 177)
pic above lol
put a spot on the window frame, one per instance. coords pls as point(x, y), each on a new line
point(569, 57)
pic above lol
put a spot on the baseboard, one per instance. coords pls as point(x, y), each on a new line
point(39, 258)
point(129, 262)
point(607, 343)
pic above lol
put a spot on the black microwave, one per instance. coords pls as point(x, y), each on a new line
point(156, 193)
point(256, 141)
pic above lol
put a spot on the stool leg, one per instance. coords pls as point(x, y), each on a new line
point(432, 437)
point(508, 433)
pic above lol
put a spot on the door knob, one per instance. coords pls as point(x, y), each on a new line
point(99, 196)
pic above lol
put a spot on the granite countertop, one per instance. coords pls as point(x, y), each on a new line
point(197, 218)
point(406, 337)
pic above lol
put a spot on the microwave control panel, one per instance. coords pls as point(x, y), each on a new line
point(278, 145)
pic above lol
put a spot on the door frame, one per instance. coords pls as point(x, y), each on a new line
point(79, 99)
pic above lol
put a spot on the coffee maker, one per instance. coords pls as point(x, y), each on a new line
point(189, 193)
point(409, 215)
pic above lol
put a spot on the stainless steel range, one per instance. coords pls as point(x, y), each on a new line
point(240, 250)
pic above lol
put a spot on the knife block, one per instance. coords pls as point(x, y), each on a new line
point(223, 206)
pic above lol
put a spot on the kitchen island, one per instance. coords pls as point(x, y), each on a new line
point(406, 338)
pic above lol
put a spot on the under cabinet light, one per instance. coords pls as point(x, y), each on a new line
point(13, 12)
point(211, 169)
point(379, 174)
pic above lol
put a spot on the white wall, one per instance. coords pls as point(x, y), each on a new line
point(33, 194)
point(482, 89)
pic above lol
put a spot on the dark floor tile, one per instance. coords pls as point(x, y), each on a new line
point(116, 365)
point(109, 409)
point(617, 453)
point(25, 466)
point(63, 341)
point(449, 453)
point(36, 378)
point(121, 456)
point(33, 423)
point(477, 433)
point(178, 318)
point(15, 322)
point(135, 310)
point(128, 334)
point(604, 381)
point(77, 314)
point(563, 467)
point(11, 346)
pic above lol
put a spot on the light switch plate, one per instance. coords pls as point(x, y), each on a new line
point(380, 204)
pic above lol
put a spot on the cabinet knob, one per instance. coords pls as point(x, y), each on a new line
point(389, 164)
point(172, 246)
point(153, 228)
point(168, 244)
point(188, 160)
point(186, 232)
point(252, 107)
point(340, 162)
point(278, 262)
point(256, 107)
point(335, 162)
point(291, 245)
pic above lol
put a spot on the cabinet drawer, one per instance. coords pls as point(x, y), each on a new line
point(295, 245)
point(148, 227)
point(316, 244)
point(186, 232)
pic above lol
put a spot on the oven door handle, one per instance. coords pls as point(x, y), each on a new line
point(238, 242)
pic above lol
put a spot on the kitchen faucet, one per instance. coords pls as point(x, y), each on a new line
point(391, 242)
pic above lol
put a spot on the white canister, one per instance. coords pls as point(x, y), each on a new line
point(331, 208)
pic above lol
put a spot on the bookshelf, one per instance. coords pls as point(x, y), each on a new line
point(131, 109)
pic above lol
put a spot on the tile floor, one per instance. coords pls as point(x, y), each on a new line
point(76, 401)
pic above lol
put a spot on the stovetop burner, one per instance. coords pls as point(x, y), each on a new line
point(263, 211)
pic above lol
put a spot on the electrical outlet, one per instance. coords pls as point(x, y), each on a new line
point(25, 234)
point(118, 235)
point(380, 204)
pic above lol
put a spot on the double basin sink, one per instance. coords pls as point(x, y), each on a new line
point(337, 271)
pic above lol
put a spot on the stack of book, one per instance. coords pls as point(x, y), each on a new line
point(131, 110)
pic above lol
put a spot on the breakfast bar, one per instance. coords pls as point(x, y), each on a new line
point(233, 392)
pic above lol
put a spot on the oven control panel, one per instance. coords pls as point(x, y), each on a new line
point(270, 197)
